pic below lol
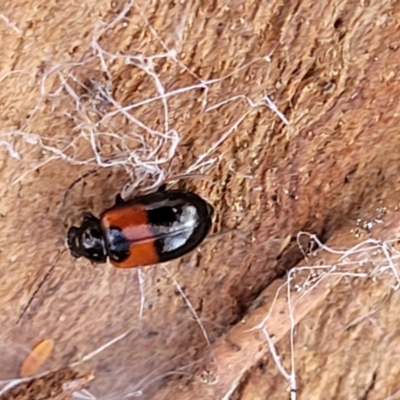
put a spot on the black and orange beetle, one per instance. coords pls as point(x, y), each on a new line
point(145, 230)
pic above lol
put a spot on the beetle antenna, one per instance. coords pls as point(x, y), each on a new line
point(39, 286)
point(70, 187)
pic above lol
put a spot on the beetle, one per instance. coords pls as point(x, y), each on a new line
point(149, 229)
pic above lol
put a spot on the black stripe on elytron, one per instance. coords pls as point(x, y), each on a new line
point(163, 217)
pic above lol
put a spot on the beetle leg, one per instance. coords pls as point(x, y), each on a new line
point(118, 199)
point(162, 188)
point(87, 216)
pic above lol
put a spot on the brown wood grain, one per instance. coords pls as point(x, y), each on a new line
point(332, 70)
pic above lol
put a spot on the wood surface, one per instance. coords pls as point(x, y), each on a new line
point(294, 107)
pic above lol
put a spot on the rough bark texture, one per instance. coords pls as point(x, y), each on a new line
point(332, 70)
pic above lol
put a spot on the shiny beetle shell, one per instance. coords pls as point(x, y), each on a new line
point(145, 230)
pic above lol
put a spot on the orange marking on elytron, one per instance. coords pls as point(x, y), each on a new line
point(140, 254)
point(133, 222)
point(125, 216)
